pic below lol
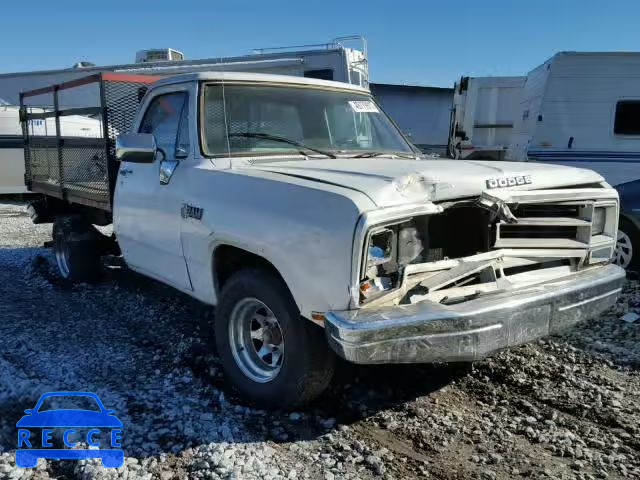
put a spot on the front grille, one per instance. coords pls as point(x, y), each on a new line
point(546, 210)
point(541, 231)
point(545, 225)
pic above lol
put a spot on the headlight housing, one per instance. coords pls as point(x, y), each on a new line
point(388, 250)
point(380, 269)
point(598, 220)
point(604, 225)
point(380, 248)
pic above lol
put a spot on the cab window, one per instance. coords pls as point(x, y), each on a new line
point(165, 119)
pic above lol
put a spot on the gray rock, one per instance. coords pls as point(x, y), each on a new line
point(376, 464)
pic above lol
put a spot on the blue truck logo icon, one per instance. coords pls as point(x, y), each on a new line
point(73, 421)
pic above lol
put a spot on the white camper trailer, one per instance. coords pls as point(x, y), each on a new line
point(583, 109)
point(326, 61)
point(330, 61)
point(484, 109)
point(11, 151)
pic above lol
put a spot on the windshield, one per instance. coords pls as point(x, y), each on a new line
point(3, 102)
point(257, 119)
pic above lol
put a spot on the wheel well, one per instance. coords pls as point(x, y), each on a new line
point(228, 260)
point(630, 220)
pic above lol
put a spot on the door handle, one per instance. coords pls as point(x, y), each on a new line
point(125, 171)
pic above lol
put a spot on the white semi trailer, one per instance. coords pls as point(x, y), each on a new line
point(422, 113)
point(334, 60)
point(483, 115)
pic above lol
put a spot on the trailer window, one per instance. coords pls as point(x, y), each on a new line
point(321, 74)
point(627, 120)
point(162, 119)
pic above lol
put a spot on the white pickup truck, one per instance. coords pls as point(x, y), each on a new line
point(298, 209)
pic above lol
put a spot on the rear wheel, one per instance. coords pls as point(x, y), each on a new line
point(38, 212)
point(627, 251)
point(77, 249)
point(272, 356)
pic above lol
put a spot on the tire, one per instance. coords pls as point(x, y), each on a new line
point(33, 211)
point(38, 212)
point(301, 366)
point(627, 252)
point(77, 249)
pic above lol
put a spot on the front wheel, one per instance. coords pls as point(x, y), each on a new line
point(272, 356)
point(627, 251)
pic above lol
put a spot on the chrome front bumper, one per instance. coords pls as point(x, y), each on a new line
point(431, 332)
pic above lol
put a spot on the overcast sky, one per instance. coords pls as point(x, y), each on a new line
point(421, 42)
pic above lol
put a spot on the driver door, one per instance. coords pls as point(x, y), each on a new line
point(147, 201)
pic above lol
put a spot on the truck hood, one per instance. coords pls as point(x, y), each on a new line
point(392, 181)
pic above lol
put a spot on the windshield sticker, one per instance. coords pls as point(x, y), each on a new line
point(363, 106)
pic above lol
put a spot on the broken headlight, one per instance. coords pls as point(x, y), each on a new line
point(380, 248)
point(388, 250)
point(380, 269)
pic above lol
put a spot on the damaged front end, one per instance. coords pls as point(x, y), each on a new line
point(493, 243)
point(422, 278)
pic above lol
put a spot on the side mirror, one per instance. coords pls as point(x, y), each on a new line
point(29, 411)
point(109, 411)
point(136, 147)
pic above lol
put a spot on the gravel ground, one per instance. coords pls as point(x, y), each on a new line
point(565, 407)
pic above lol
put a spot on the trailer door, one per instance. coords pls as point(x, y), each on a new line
point(147, 210)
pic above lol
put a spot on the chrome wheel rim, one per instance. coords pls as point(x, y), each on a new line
point(256, 340)
point(623, 253)
point(62, 257)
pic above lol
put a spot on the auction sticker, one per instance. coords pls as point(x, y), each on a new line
point(363, 106)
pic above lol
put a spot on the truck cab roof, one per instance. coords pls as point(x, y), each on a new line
point(255, 77)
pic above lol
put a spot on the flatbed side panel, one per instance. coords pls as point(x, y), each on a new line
point(121, 95)
point(70, 131)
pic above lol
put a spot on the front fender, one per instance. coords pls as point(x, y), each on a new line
point(305, 233)
point(630, 201)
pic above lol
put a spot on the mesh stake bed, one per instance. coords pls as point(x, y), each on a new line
point(69, 132)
